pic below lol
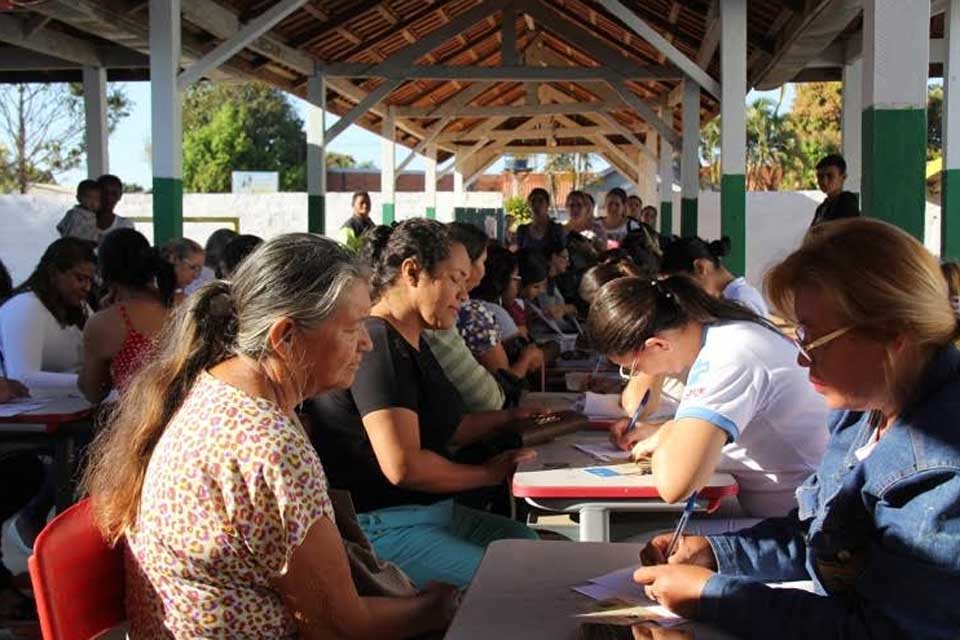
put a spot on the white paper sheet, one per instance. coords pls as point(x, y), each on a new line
point(603, 405)
point(604, 452)
point(619, 585)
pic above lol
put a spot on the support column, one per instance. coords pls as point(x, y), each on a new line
point(850, 125)
point(666, 178)
point(950, 185)
point(896, 53)
point(166, 131)
point(733, 131)
point(388, 171)
point(316, 154)
point(458, 193)
point(430, 181)
point(690, 159)
point(95, 110)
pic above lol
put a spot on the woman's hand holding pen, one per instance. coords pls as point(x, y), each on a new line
point(676, 582)
point(693, 550)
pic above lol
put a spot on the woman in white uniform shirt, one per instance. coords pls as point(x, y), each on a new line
point(41, 323)
point(701, 260)
point(747, 408)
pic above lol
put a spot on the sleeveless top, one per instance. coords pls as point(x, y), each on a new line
point(137, 349)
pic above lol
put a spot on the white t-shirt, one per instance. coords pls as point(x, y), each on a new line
point(206, 275)
point(746, 381)
point(37, 351)
point(739, 290)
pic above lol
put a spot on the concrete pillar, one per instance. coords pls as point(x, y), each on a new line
point(388, 170)
point(896, 53)
point(459, 199)
point(316, 154)
point(95, 110)
point(430, 181)
point(690, 159)
point(950, 185)
point(666, 178)
point(166, 132)
point(733, 131)
point(851, 121)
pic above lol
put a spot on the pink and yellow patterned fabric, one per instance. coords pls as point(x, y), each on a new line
point(231, 490)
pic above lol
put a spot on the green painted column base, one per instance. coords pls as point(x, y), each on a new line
point(167, 210)
point(894, 167)
point(317, 213)
point(388, 212)
point(688, 217)
point(431, 213)
point(950, 214)
point(733, 221)
point(666, 218)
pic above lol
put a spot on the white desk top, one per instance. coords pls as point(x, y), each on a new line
point(522, 590)
point(535, 479)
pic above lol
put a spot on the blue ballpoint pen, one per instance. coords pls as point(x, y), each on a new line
point(635, 418)
point(681, 525)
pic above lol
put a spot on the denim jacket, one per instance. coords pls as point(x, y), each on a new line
point(880, 537)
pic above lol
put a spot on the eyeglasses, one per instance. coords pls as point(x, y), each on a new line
point(806, 347)
point(627, 373)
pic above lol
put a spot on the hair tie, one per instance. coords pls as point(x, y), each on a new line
point(221, 305)
point(663, 291)
point(955, 304)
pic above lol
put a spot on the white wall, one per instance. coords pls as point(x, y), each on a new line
point(776, 221)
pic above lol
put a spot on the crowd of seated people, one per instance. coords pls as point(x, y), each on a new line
point(306, 437)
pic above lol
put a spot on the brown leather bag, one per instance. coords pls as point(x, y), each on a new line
point(537, 430)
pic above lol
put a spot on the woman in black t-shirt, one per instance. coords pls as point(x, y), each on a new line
point(388, 439)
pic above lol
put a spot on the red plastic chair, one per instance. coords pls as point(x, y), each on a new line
point(78, 580)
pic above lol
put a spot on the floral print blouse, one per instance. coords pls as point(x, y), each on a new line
point(230, 492)
point(478, 326)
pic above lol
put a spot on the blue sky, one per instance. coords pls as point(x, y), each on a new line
point(129, 143)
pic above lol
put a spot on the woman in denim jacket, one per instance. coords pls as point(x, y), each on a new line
point(878, 524)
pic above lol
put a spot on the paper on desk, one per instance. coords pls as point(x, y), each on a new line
point(619, 585)
point(603, 405)
point(21, 405)
point(604, 452)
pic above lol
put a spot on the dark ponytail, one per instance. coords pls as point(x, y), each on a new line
point(628, 311)
point(385, 248)
point(126, 258)
point(681, 254)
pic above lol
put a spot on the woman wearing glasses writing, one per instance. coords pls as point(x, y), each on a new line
point(878, 524)
point(747, 408)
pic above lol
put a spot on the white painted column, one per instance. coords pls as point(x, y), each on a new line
point(896, 57)
point(950, 178)
point(430, 181)
point(316, 153)
point(851, 122)
point(665, 218)
point(388, 170)
point(690, 158)
point(165, 120)
point(95, 110)
point(458, 192)
point(733, 131)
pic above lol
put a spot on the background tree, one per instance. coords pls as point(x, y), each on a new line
point(768, 144)
point(42, 129)
point(935, 122)
point(247, 127)
point(710, 155)
point(574, 166)
point(814, 125)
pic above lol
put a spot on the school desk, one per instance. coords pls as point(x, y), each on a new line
point(563, 479)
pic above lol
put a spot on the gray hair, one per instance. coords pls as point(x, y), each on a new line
point(298, 276)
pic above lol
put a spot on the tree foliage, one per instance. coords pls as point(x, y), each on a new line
point(42, 130)
point(248, 127)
